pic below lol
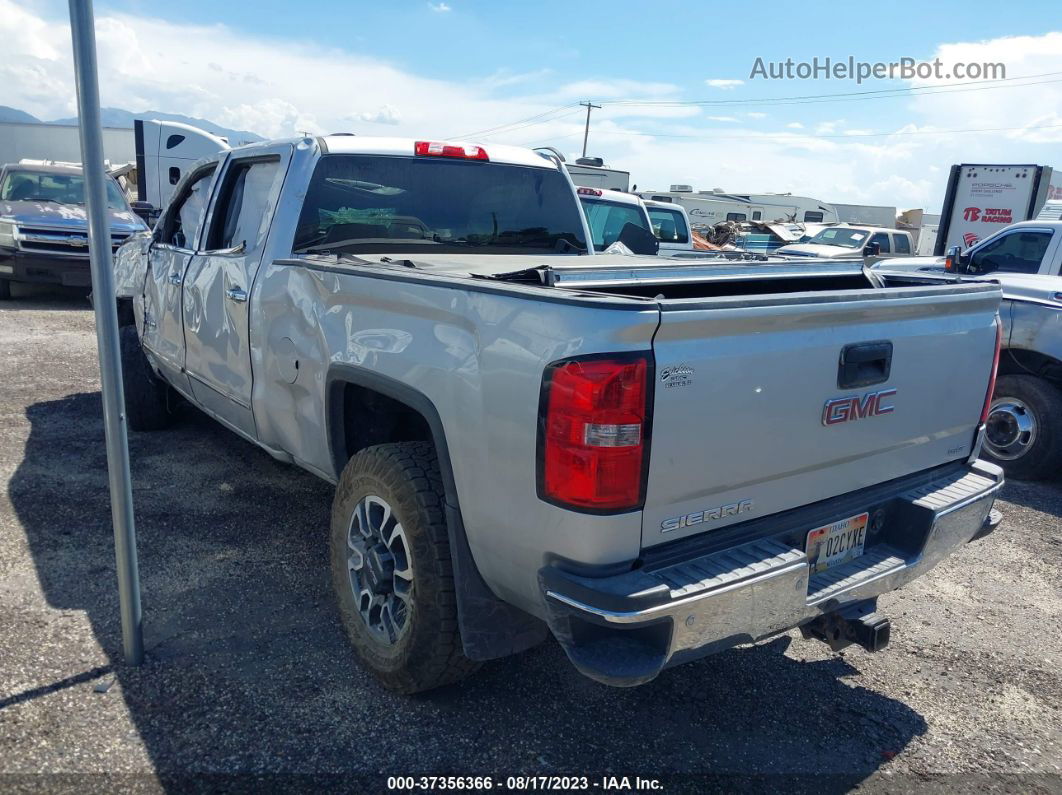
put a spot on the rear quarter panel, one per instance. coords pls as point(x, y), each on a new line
point(478, 356)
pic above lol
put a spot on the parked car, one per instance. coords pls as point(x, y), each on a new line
point(652, 461)
point(846, 241)
point(1025, 424)
point(44, 227)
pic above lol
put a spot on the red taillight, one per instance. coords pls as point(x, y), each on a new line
point(439, 149)
point(992, 376)
point(588, 192)
point(593, 436)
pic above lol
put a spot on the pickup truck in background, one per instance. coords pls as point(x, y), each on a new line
point(671, 225)
point(44, 229)
point(846, 241)
point(1025, 422)
point(609, 213)
point(652, 461)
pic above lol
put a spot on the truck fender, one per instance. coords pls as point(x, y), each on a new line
point(490, 627)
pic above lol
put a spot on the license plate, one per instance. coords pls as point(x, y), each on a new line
point(837, 543)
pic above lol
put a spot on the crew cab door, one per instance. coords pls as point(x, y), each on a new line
point(218, 284)
point(172, 248)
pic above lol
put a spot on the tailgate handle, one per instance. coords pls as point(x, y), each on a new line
point(864, 363)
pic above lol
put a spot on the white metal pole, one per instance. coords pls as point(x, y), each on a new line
point(82, 31)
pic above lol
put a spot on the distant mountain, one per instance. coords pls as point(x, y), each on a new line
point(118, 117)
point(14, 114)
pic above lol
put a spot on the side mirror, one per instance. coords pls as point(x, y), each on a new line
point(639, 239)
point(146, 211)
point(872, 249)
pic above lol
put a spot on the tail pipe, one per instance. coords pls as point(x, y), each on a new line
point(858, 623)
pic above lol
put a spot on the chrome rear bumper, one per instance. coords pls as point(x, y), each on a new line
point(624, 629)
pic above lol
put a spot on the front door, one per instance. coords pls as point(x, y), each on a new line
point(170, 252)
point(218, 284)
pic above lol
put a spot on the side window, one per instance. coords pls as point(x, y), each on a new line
point(668, 225)
point(903, 245)
point(814, 218)
point(756, 215)
point(243, 205)
point(735, 216)
point(185, 216)
point(882, 239)
point(1018, 252)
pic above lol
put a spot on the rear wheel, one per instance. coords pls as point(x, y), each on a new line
point(1024, 429)
point(391, 568)
point(146, 398)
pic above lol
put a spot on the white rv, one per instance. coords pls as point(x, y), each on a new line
point(707, 208)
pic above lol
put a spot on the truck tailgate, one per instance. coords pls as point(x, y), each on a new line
point(741, 422)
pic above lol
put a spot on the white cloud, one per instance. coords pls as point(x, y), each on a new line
point(385, 114)
point(260, 84)
point(439, 8)
point(756, 115)
point(725, 85)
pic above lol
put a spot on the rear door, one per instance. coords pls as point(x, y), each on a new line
point(174, 244)
point(755, 411)
point(219, 281)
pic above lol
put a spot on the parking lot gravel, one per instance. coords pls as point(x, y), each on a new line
point(249, 677)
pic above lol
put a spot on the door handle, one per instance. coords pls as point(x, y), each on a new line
point(175, 278)
point(237, 294)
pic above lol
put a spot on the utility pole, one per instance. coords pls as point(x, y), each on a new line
point(83, 33)
point(586, 132)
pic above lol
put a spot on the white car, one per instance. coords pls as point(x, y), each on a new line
point(846, 241)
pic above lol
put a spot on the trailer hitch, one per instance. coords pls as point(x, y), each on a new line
point(858, 623)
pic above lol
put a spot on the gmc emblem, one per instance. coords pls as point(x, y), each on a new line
point(846, 409)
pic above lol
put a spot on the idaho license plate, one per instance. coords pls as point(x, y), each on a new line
point(837, 543)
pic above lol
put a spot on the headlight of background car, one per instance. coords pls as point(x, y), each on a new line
point(7, 234)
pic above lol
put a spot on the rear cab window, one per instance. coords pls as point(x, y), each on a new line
point(607, 219)
point(668, 225)
point(358, 203)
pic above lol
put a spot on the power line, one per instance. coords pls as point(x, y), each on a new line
point(884, 93)
point(708, 136)
point(519, 122)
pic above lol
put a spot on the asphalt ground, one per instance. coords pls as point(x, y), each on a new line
point(249, 681)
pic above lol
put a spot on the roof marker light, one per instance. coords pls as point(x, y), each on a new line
point(588, 192)
point(440, 149)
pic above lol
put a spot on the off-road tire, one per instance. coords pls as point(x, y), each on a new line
point(146, 398)
point(5, 289)
point(1044, 400)
point(428, 654)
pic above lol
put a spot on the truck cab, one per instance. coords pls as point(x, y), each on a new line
point(671, 225)
point(608, 212)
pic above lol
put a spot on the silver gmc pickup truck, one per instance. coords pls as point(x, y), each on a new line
point(651, 460)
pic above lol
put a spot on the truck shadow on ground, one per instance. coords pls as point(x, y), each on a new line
point(47, 296)
point(1045, 496)
point(248, 669)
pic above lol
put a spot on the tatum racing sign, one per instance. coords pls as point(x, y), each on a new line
point(982, 199)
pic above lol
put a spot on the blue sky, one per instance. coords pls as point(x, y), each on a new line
point(453, 67)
